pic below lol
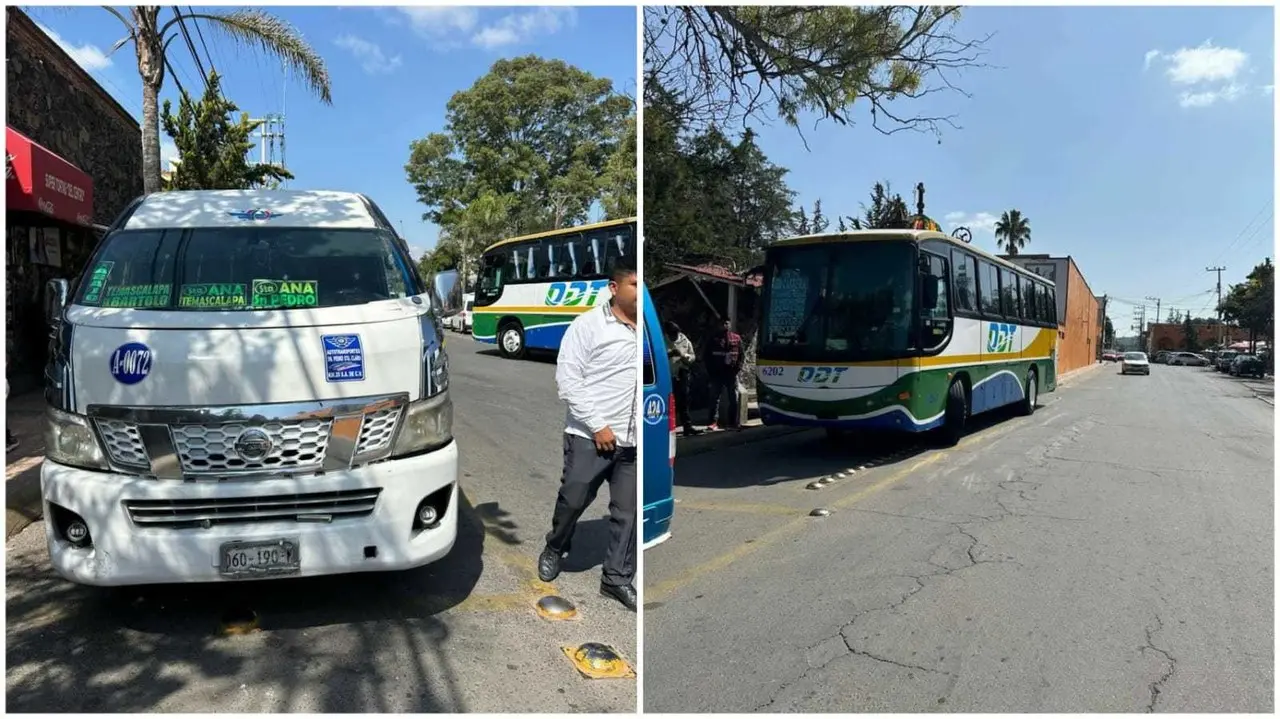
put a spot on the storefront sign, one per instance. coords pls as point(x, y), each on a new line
point(284, 294)
point(213, 296)
point(37, 180)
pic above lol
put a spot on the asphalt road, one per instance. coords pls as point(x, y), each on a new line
point(1111, 553)
point(457, 636)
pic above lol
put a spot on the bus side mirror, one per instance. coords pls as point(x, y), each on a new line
point(929, 294)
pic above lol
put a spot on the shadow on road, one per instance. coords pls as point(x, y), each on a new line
point(71, 648)
point(532, 355)
point(801, 457)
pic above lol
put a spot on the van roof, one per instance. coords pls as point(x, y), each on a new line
point(237, 208)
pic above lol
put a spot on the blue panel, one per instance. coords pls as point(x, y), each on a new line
point(659, 476)
point(898, 421)
point(545, 337)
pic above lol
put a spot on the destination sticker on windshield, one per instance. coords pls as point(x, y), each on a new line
point(285, 294)
point(137, 296)
point(213, 296)
point(343, 358)
point(97, 280)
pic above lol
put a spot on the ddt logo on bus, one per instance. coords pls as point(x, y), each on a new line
point(1000, 337)
point(820, 375)
point(575, 294)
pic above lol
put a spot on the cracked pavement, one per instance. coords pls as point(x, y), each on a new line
point(1112, 553)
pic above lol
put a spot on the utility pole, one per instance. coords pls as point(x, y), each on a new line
point(271, 132)
point(1157, 301)
point(1218, 270)
point(1105, 339)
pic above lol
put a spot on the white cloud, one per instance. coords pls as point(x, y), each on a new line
point(977, 222)
point(1206, 74)
point(371, 57)
point(86, 56)
point(518, 27)
point(445, 26)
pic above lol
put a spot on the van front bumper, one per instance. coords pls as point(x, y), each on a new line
point(123, 552)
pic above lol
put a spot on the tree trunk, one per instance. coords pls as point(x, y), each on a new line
point(150, 139)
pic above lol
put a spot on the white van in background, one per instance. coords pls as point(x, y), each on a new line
point(247, 384)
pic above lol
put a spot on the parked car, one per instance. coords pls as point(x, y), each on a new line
point(1246, 365)
point(1187, 359)
point(1161, 357)
point(1110, 356)
point(1135, 363)
point(1224, 360)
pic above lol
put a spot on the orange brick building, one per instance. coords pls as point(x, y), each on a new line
point(1173, 335)
point(1079, 331)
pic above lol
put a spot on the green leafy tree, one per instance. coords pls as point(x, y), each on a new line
point(250, 29)
point(444, 256)
point(760, 61)
point(1190, 335)
point(887, 210)
point(1013, 232)
point(619, 180)
point(708, 198)
point(1108, 333)
point(539, 132)
point(212, 149)
point(1251, 304)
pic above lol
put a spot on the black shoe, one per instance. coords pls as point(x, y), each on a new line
point(10, 443)
point(549, 565)
point(624, 594)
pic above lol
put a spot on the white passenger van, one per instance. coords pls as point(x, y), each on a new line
point(247, 384)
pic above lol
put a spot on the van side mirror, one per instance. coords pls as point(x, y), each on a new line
point(55, 299)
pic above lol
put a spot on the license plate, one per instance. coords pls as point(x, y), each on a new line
point(256, 559)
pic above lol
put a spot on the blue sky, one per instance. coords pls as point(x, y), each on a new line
point(1140, 141)
point(392, 72)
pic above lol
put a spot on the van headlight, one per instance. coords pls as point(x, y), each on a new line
point(437, 371)
point(69, 439)
point(428, 425)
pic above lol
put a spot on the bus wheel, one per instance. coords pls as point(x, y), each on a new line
point(511, 340)
point(957, 415)
point(1030, 395)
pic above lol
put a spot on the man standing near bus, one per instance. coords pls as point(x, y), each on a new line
point(598, 381)
point(723, 358)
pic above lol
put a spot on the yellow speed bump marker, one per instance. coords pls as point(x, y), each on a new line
point(556, 609)
point(598, 661)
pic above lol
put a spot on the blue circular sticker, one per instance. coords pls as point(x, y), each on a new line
point(131, 363)
point(655, 408)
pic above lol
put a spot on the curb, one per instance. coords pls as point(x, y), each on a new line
point(702, 444)
point(23, 504)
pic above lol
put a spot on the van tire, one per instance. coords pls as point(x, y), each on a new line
point(511, 340)
point(956, 417)
point(1031, 394)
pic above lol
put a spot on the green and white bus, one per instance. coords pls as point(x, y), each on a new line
point(532, 287)
point(908, 330)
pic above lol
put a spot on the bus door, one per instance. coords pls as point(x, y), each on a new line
point(659, 430)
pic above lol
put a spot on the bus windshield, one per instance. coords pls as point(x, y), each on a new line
point(847, 301)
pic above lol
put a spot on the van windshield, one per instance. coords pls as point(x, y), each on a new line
point(245, 269)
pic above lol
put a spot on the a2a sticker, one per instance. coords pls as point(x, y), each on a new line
point(654, 409)
point(343, 358)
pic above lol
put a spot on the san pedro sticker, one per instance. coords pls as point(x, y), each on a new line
point(131, 363)
point(213, 296)
point(284, 294)
point(343, 358)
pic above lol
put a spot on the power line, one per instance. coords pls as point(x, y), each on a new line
point(182, 27)
point(200, 34)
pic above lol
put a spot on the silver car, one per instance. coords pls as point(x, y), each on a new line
point(1135, 363)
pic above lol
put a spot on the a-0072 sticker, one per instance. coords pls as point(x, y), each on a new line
point(654, 409)
point(131, 363)
point(343, 358)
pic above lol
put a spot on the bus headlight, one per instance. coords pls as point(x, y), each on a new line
point(69, 440)
point(428, 424)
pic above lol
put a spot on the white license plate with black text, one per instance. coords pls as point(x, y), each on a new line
point(270, 557)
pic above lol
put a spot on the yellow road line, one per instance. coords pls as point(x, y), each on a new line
point(661, 590)
point(742, 507)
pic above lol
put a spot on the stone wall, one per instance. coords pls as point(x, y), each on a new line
point(57, 104)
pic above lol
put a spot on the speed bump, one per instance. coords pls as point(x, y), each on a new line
point(555, 609)
point(598, 661)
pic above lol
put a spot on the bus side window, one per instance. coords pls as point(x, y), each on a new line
point(965, 279)
point(1030, 301)
point(989, 289)
point(935, 312)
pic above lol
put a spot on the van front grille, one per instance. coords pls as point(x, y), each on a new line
point(210, 448)
point(207, 512)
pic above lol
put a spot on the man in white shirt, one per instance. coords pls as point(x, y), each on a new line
point(598, 380)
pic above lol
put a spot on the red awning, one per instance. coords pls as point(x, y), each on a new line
point(37, 180)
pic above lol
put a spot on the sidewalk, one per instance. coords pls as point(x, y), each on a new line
point(24, 416)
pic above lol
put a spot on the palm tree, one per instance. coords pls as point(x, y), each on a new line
point(1013, 232)
point(250, 28)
